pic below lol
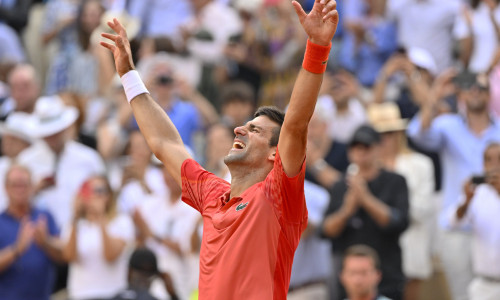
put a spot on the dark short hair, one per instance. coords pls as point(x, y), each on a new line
point(275, 115)
point(362, 251)
point(238, 91)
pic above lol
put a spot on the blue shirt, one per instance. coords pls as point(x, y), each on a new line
point(186, 119)
point(461, 151)
point(31, 276)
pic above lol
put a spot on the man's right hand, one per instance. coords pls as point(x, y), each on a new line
point(25, 236)
point(120, 49)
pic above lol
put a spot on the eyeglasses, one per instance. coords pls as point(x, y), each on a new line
point(100, 190)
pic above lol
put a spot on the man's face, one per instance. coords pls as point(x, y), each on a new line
point(251, 144)
point(359, 276)
point(19, 187)
point(318, 129)
point(362, 155)
point(238, 111)
point(23, 89)
point(475, 98)
point(219, 142)
point(56, 141)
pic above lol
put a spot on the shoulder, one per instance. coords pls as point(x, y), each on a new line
point(391, 178)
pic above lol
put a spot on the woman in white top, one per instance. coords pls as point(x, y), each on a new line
point(98, 243)
point(419, 174)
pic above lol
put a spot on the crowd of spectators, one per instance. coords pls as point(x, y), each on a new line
point(403, 155)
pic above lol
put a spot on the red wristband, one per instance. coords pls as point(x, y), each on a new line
point(316, 57)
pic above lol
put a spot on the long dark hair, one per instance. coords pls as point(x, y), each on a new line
point(83, 35)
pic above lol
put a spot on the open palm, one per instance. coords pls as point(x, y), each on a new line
point(121, 48)
point(321, 22)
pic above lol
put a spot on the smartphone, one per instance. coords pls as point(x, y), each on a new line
point(480, 179)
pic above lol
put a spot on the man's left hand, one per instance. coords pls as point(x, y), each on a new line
point(321, 22)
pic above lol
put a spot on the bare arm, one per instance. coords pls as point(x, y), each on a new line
point(112, 247)
point(335, 223)
point(160, 133)
point(69, 251)
point(320, 27)
point(8, 256)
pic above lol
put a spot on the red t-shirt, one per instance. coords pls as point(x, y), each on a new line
point(249, 241)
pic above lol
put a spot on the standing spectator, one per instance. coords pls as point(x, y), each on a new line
point(478, 31)
point(326, 158)
point(361, 273)
point(435, 34)
point(369, 40)
point(418, 171)
point(28, 242)
point(97, 243)
point(15, 139)
point(60, 167)
point(480, 212)
point(343, 102)
point(458, 138)
point(24, 91)
point(370, 206)
point(311, 263)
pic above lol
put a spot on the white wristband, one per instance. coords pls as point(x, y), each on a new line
point(133, 85)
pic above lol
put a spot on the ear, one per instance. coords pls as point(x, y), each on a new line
point(272, 155)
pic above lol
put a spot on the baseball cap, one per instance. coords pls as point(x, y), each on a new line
point(365, 135)
point(143, 260)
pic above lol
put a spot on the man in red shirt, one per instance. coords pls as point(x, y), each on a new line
point(253, 225)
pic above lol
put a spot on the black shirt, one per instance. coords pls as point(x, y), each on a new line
point(361, 228)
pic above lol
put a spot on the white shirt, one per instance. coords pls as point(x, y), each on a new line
point(76, 164)
point(484, 34)
point(483, 216)
point(426, 24)
point(176, 221)
point(342, 126)
point(91, 276)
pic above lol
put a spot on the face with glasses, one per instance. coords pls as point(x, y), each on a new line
point(95, 195)
point(18, 186)
point(476, 97)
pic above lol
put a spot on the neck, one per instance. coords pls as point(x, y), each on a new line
point(369, 172)
point(19, 211)
point(242, 179)
point(478, 121)
point(370, 296)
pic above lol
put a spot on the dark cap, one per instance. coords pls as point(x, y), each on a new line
point(143, 260)
point(365, 135)
point(466, 80)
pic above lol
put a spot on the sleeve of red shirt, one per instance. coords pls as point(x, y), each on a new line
point(200, 188)
point(287, 193)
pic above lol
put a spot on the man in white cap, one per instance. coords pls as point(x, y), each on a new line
point(15, 139)
point(62, 166)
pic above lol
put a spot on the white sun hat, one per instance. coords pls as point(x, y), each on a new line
point(20, 125)
point(423, 59)
point(52, 116)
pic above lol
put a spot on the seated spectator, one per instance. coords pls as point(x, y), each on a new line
point(370, 206)
point(28, 242)
point(24, 89)
point(417, 169)
point(165, 225)
point(97, 243)
point(142, 270)
point(62, 165)
point(218, 143)
point(15, 139)
point(361, 273)
point(237, 103)
point(311, 264)
point(326, 158)
point(342, 102)
point(479, 211)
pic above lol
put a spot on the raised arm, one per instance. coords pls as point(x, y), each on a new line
point(160, 133)
point(320, 25)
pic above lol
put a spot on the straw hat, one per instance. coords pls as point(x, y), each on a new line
point(52, 116)
point(386, 117)
point(18, 124)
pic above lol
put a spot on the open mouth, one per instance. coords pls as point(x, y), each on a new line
point(238, 145)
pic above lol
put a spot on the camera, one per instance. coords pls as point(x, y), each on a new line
point(478, 179)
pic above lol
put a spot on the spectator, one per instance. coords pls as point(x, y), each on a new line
point(368, 42)
point(417, 169)
point(342, 102)
point(165, 225)
point(15, 13)
point(237, 103)
point(15, 139)
point(326, 158)
point(370, 206)
point(478, 31)
point(479, 211)
point(434, 35)
point(11, 49)
point(361, 273)
point(219, 141)
point(60, 167)
point(458, 138)
point(97, 243)
point(24, 91)
point(28, 242)
point(142, 270)
point(311, 263)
